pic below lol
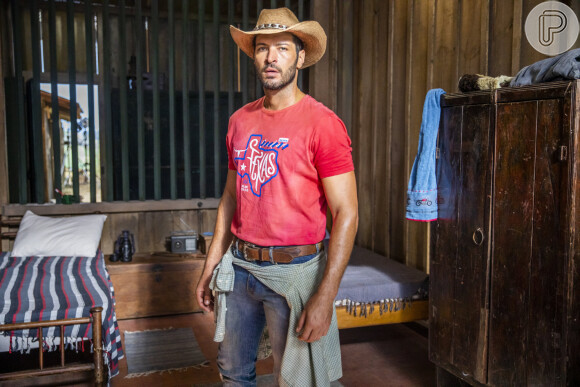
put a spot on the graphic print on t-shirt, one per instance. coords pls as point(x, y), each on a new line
point(259, 161)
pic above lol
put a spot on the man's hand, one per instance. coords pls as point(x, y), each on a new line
point(315, 319)
point(203, 293)
point(222, 237)
point(340, 191)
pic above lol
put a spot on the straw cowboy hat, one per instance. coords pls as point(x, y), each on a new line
point(274, 21)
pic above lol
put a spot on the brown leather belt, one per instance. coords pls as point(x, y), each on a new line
point(252, 252)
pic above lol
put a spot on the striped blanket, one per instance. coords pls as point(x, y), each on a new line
point(54, 288)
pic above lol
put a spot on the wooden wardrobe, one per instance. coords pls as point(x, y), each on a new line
point(505, 262)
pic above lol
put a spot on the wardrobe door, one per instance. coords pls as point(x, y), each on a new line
point(530, 220)
point(444, 241)
point(470, 301)
point(459, 263)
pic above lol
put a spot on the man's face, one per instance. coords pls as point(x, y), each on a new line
point(276, 60)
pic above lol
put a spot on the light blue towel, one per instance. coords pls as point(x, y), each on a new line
point(422, 189)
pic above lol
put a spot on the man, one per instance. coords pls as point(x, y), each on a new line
point(289, 158)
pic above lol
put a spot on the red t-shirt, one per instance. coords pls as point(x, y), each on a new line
point(280, 158)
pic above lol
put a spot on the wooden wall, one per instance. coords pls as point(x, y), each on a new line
point(383, 56)
point(151, 222)
point(3, 145)
point(152, 228)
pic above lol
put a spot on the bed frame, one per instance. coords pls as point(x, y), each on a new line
point(97, 365)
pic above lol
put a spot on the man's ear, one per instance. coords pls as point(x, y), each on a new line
point(301, 58)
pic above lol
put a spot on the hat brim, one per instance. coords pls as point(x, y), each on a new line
point(309, 32)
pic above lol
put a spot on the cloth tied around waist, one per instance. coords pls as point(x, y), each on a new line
point(303, 364)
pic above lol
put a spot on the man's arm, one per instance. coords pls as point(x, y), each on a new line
point(221, 240)
point(342, 200)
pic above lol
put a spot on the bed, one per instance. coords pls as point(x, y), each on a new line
point(58, 288)
point(376, 290)
point(52, 301)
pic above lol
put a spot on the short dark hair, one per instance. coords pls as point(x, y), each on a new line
point(298, 43)
point(295, 39)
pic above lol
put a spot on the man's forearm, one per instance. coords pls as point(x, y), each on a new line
point(344, 230)
point(222, 234)
point(221, 240)
point(317, 314)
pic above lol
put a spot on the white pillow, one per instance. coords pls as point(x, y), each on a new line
point(47, 236)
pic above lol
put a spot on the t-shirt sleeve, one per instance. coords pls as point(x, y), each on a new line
point(231, 164)
point(332, 148)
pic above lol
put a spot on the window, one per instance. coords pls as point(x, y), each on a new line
point(87, 167)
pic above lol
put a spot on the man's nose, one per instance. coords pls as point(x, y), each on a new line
point(272, 56)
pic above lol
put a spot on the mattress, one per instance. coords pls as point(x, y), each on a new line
point(54, 288)
point(374, 281)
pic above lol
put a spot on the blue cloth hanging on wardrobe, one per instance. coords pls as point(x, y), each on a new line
point(422, 189)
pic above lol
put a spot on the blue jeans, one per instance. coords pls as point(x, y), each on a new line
point(250, 305)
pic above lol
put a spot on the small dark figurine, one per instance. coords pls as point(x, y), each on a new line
point(124, 247)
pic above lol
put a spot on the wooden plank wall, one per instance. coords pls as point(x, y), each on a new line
point(3, 145)
point(400, 50)
point(382, 58)
point(150, 228)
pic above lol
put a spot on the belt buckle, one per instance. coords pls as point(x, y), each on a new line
point(245, 252)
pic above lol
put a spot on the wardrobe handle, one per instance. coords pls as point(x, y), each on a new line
point(563, 153)
point(478, 236)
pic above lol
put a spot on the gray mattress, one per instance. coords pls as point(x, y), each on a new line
point(371, 278)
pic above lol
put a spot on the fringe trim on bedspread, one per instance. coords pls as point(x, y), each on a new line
point(25, 344)
point(363, 309)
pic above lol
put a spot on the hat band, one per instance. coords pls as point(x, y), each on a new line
point(271, 26)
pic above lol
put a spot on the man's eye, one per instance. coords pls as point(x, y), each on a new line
point(284, 48)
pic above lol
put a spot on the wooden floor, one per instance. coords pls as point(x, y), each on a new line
point(388, 355)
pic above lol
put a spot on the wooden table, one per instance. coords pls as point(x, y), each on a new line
point(156, 284)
